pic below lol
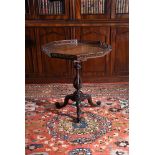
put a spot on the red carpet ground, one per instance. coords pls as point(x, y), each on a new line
point(102, 130)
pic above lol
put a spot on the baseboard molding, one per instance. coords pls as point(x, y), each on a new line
point(84, 80)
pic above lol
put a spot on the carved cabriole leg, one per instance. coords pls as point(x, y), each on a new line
point(89, 98)
point(58, 105)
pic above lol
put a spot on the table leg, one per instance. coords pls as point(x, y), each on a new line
point(77, 96)
point(89, 98)
point(78, 111)
point(77, 85)
point(58, 105)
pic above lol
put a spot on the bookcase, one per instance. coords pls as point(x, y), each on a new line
point(51, 20)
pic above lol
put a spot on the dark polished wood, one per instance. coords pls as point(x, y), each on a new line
point(112, 29)
point(31, 63)
point(120, 52)
point(76, 23)
point(76, 51)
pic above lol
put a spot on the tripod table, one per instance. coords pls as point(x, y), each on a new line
point(76, 51)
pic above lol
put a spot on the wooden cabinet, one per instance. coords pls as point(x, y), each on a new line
point(31, 61)
point(120, 51)
point(51, 20)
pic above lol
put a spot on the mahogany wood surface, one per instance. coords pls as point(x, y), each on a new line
point(111, 28)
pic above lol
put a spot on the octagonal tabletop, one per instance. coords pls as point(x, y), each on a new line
point(76, 50)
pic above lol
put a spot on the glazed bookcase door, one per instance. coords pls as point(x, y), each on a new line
point(93, 9)
point(120, 9)
point(52, 9)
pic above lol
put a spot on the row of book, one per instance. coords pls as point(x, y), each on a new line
point(122, 6)
point(92, 6)
point(51, 7)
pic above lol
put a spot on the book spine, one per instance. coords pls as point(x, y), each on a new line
point(58, 7)
point(100, 6)
point(62, 7)
point(51, 8)
point(54, 7)
point(122, 1)
point(96, 6)
point(86, 8)
point(103, 6)
point(82, 6)
point(94, 11)
point(119, 6)
point(43, 7)
point(46, 7)
point(39, 3)
point(123, 6)
point(127, 6)
point(116, 6)
point(91, 6)
point(89, 11)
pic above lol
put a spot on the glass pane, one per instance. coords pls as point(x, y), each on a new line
point(92, 6)
point(122, 6)
point(51, 7)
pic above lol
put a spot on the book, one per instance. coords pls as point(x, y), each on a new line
point(103, 6)
point(89, 11)
point(92, 7)
point(46, 7)
point(99, 6)
point(96, 6)
point(82, 6)
point(127, 6)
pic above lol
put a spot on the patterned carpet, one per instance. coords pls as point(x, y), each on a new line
point(102, 130)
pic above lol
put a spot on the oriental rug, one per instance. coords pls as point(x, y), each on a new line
point(102, 130)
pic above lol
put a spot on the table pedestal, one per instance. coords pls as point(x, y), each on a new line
point(78, 96)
